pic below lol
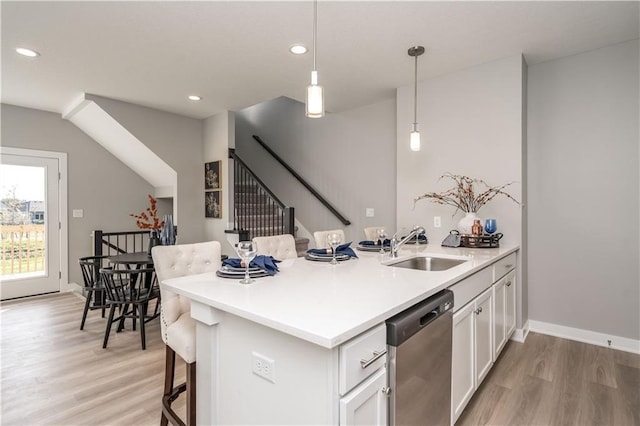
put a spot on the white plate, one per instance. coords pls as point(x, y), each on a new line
point(231, 270)
point(255, 274)
point(326, 257)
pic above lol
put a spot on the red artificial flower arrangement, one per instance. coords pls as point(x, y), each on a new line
point(148, 219)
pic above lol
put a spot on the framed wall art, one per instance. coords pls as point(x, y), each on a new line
point(212, 206)
point(212, 175)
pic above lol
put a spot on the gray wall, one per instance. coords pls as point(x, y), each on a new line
point(348, 157)
point(471, 123)
point(100, 184)
point(584, 190)
point(177, 140)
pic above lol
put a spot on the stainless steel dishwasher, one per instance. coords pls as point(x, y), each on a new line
point(419, 351)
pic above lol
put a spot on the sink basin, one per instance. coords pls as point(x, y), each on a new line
point(428, 263)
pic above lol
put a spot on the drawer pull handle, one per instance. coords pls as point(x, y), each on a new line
point(508, 284)
point(385, 390)
point(364, 363)
point(509, 266)
point(477, 311)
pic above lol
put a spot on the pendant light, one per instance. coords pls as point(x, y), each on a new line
point(315, 93)
point(414, 140)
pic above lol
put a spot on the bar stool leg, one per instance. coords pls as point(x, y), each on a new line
point(169, 373)
point(191, 394)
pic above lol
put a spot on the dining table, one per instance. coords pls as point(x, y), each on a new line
point(137, 260)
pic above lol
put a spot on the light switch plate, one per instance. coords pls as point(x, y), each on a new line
point(78, 213)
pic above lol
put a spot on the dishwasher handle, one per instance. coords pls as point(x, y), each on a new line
point(409, 322)
point(429, 317)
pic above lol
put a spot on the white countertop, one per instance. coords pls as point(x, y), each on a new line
point(326, 304)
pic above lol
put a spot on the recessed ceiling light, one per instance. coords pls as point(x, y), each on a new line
point(27, 52)
point(194, 97)
point(298, 49)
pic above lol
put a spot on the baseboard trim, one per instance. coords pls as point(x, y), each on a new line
point(520, 334)
point(586, 336)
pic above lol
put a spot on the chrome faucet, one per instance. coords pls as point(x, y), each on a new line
point(395, 244)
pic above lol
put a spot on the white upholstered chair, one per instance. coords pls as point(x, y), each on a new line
point(321, 237)
point(371, 233)
point(281, 247)
point(178, 328)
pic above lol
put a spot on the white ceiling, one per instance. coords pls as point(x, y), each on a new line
point(235, 53)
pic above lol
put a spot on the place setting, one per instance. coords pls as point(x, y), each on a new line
point(336, 252)
point(248, 266)
point(381, 245)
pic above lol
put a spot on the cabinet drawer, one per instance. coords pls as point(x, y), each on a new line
point(504, 265)
point(362, 356)
point(466, 290)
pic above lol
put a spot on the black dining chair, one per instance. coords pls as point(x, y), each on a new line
point(92, 286)
point(129, 291)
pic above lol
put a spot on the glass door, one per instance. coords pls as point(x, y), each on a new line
point(29, 226)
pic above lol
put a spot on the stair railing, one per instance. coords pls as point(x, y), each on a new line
point(304, 183)
point(257, 211)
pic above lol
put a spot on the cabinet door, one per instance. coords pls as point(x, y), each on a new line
point(484, 335)
point(367, 404)
point(510, 303)
point(499, 336)
point(462, 373)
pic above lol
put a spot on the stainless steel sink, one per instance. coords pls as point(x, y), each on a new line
point(428, 263)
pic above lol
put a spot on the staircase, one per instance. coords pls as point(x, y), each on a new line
point(257, 211)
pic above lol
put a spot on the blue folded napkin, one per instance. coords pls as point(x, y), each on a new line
point(368, 243)
point(341, 249)
point(266, 263)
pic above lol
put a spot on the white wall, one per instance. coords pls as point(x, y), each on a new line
point(583, 191)
point(471, 123)
point(348, 157)
point(177, 140)
point(219, 136)
point(100, 184)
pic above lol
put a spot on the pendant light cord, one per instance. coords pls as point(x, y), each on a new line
point(415, 94)
point(315, 31)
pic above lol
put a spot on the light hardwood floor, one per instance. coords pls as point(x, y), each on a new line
point(552, 381)
point(54, 374)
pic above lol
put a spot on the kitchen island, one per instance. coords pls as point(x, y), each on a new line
point(273, 352)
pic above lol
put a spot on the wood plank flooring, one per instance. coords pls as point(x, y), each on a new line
point(52, 373)
point(553, 381)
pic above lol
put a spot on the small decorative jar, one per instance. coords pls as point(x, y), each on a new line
point(476, 229)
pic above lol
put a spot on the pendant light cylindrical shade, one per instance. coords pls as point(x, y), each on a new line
point(414, 139)
point(315, 93)
point(315, 98)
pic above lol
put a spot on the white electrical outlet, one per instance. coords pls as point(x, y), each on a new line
point(437, 223)
point(78, 213)
point(263, 367)
point(369, 212)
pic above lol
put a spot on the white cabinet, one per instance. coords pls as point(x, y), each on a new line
point(484, 335)
point(510, 304)
point(499, 331)
point(484, 319)
point(504, 311)
point(367, 403)
point(363, 379)
point(472, 351)
point(462, 362)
